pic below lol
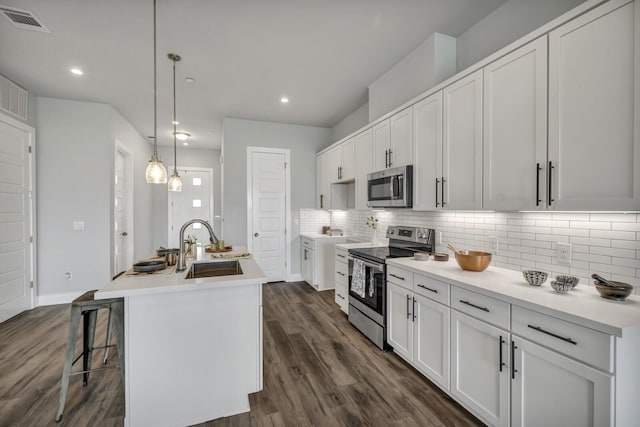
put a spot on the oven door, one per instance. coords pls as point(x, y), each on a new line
point(374, 285)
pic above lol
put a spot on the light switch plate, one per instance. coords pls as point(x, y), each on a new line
point(563, 253)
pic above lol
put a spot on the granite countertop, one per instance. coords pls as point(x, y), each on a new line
point(582, 305)
point(149, 284)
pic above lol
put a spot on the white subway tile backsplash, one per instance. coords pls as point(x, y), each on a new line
point(606, 243)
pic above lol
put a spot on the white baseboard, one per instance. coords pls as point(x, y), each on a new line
point(54, 299)
point(294, 277)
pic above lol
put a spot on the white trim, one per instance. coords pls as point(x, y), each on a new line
point(118, 146)
point(54, 299)
point(211, 205)
point(287, 209)
point(294, 277)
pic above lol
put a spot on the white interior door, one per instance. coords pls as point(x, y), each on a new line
point(16, 252)
point(122, 211)
point(194, 201)
point(267, 195)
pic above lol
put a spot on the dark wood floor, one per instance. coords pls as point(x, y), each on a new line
point(318, 370)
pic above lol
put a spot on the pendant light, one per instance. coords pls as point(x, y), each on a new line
point(175, 182)
point(156, 172)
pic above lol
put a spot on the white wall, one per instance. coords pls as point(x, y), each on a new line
point(506, 24)
point(187, 157)
point(354, 121)
point(141, 150)
point(432, 62)
point(73, 169)
point(303, 141)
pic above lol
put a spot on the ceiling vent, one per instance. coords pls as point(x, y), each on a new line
point(23, 19)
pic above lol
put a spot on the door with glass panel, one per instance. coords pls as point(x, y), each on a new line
point(194, 201)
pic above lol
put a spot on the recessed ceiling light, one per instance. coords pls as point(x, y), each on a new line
point(76, 71)
point(175, 122)
point(182, 136)
point(185, 143)
point(189, 80)
point(284, 100)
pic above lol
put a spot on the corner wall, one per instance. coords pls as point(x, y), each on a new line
point(303, 141)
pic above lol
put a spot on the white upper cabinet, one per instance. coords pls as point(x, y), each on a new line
point(401, 146)
point(515, 129)
point(381, 140)
point(323, 186)
point(427, 150)
point(333, 163)
point(594, 110)
point(462, 144)
point(393, 141)
point(348, 160)
point(364, 165)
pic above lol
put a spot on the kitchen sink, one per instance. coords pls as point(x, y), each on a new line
point(213, 269)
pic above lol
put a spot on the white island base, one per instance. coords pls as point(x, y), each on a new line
point(193, 347)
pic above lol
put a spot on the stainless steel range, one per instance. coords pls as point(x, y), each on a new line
point(367, 278)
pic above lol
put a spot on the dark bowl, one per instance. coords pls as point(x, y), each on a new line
point(618, 293)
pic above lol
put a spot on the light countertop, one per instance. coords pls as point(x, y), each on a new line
point(148, 284)
point(316, 236)
point(359, 245)
point(582, 305)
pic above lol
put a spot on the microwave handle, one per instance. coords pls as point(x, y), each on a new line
point(392, 194)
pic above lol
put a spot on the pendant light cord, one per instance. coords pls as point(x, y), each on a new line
point(155, 87)
point(175, 150)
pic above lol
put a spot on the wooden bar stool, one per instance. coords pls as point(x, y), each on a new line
point(87, 307)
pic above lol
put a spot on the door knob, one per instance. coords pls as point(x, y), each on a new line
point(124, 233)
point(256, 235)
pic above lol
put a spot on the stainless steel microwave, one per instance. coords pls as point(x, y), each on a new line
point(390, 188)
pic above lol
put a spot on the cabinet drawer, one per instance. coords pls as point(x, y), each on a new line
point(342, 272)
point(341, 255)
point(308, 243)
point(431, 288)
point(592, 347)
point(485, 308)
point(400, 277)
point(342, 295)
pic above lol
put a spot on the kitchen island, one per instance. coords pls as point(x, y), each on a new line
point(193, 346)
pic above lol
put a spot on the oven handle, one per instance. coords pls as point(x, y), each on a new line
point(378, 267)
point(392, 194)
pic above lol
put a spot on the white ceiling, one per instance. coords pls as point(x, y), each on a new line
point(243, 54)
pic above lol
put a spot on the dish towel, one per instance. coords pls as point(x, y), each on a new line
point(358, 281)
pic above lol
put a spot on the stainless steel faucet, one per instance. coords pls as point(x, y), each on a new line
point(182, 264)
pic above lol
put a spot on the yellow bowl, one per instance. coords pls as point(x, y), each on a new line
point(473, 260)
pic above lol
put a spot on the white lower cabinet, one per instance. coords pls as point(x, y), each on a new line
point(399, 320)
point(480, 368)
point(418, 331)
point(549, 389)
point(431, 340)
point(342, 280)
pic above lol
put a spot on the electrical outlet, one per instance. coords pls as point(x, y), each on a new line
point(563, 253)
point(68, 275)
point(492, 244)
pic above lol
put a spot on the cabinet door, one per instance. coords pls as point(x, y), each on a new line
point(544, 378)
point(348, 171)
point(594, 110)
point(306, 258)
point(320, 202)
point(364, 163)
point(325, 183)
point(381, 139)
point(462, 143)
point(401, 138)
point(427, 150)
point(332, 165)
point(431, 340)
point(399, 320)
point(515, 129)
point(477, 376)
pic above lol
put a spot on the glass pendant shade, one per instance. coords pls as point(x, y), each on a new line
point(156, 172)
point(175, 182)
